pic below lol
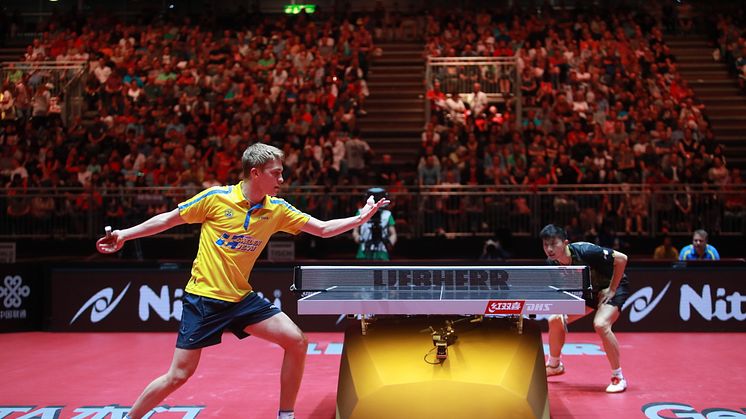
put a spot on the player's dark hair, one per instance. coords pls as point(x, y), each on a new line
point(551, 231)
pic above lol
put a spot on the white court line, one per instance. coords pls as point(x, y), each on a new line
point(565, 292)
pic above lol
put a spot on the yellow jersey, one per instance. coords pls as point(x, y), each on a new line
point(232, 237)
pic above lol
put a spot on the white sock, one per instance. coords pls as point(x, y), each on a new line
point(617, 373)
point(554, 361)
point(285, 414)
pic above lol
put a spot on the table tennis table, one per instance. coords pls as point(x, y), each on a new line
point(381, 370)
point(411, 290)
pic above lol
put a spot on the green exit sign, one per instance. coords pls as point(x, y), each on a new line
point(294, 9)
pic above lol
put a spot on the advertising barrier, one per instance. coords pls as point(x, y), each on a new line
point(21, 297)
point(668, 299)
point(685, 299)
point(149, 299)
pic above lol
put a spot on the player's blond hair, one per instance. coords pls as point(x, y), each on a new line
point(259, 154)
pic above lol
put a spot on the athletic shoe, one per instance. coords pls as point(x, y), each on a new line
point(617, 385)
point(558, 369)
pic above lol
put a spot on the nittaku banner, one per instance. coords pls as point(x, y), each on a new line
point(706, 299)
point(150, 299)
point(703, 299)
point(21, 297)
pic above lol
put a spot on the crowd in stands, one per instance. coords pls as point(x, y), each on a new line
point(603, 103)
point(730, 38)
point(173, 103)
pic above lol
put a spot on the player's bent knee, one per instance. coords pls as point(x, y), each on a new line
point(300, 342)
point(555, 321)
point(179, 376)
point(602, 326)
point(295, 342)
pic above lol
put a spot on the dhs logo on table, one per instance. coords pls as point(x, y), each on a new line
point(505, 307)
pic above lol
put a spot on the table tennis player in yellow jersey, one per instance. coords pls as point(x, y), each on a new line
point(237, 221)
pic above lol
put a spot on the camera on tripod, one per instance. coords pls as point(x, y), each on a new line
point(442, 339)
point(376, 231)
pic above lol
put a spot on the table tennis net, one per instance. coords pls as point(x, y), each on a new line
point(344, 278)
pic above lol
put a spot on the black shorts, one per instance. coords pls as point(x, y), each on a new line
point(203, 319)
point(621, 295)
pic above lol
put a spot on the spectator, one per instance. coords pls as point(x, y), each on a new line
point(7, 103)
point(699, 249)
point(479, 101)
point(428, 172)
point(358, 153)
point(387, 172)
point(40, 105)
point(376, 237)
point(19, 205)
point(456, 108)
point(666, 251)
point(492, 250)
point(437, 100)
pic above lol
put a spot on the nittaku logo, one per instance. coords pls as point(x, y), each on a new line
point(681, 410)
point(720, 306)
point(504, 307)
point(14, 291)
point(165, 307)
point(228, 213)
point(642, 303)
point(102, 304)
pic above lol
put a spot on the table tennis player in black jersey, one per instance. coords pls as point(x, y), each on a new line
point(610, 291)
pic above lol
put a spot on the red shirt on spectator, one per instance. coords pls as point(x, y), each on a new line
point(677, 91)
point(503, 52)
point(223, 164)
point(574, 136)
point(220, 128)
point(434, 96)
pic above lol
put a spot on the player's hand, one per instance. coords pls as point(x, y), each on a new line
point(370, 208)
point(110, 243)
point(605, 295)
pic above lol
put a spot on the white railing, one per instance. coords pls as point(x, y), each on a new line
point(419, 212)
point(458, 74)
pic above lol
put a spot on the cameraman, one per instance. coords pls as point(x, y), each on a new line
point(378, 235)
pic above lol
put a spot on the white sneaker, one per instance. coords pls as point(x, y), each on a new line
point(617, 385)
point(558, 369)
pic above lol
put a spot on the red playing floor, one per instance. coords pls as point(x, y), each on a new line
point(49, 375)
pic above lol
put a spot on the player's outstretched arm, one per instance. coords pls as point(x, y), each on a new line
point(331, 228)
point(113, 242)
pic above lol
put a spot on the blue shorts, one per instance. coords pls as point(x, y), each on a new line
point(203, 319)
